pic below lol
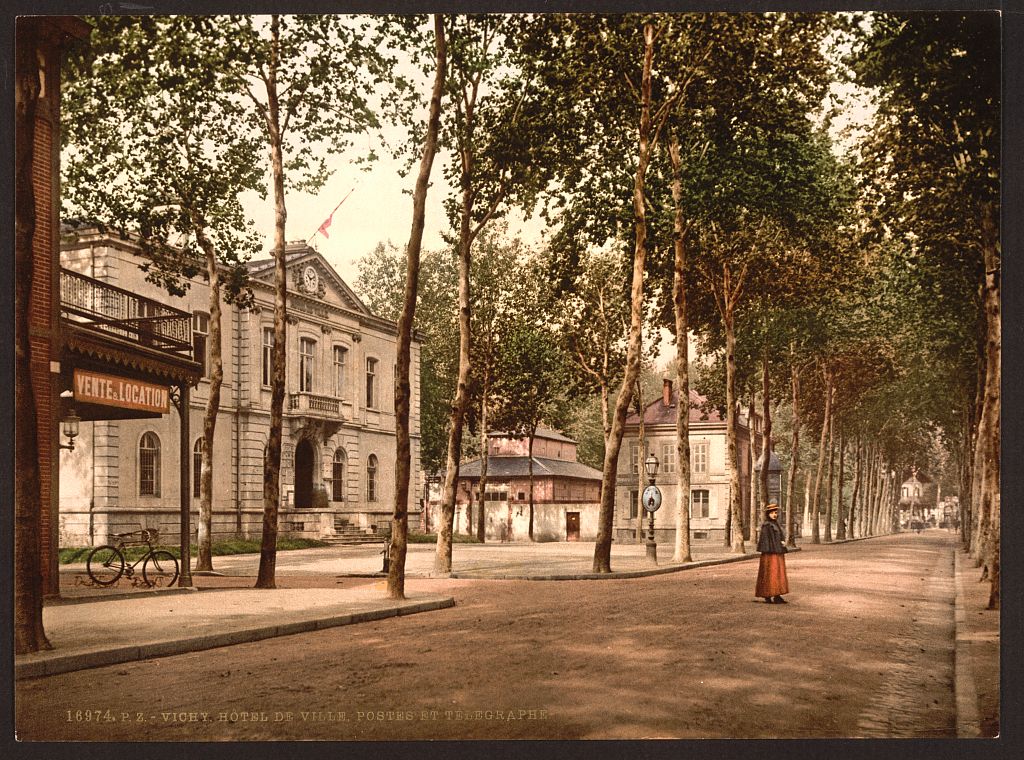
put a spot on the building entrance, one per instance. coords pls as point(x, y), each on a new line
point(304, 475)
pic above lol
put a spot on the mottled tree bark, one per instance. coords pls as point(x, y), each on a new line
point(829, 489)
point(216, 373)
point(481, 527)
point(794, 374)
point(603, 545)
point(272, 462)
point(403, 389)
point(681, 548)
point(841, 517)
point(816, 502)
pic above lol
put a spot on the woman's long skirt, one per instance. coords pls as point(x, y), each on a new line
point(771, 576)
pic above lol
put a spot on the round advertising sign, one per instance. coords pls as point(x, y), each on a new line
point(651, 498)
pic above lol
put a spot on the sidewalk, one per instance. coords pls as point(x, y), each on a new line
point(138, 626)
point(94, 627)
point(977, 654)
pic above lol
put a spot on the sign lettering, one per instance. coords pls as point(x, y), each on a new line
point(110, 390)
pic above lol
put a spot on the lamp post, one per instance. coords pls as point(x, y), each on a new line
point(652, 502)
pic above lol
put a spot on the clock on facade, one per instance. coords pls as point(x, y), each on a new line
point(310, 279)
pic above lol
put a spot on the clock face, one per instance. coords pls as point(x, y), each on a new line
point(651, 498)
point(309, 278)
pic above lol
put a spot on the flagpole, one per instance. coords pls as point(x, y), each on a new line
point(330, 217)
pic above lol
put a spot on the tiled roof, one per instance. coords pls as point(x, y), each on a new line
point(542, 432)
point(656, 413)
point(518, 467)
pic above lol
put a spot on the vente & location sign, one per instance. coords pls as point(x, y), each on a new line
point(98, 388)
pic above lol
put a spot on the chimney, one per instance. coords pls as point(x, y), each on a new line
point(666, 391)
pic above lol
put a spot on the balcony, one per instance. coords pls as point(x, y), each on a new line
point(109, 311)
point(314, 405)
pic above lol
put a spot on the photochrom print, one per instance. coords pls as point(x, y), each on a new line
point(506, 376)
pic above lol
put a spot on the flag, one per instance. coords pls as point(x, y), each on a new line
point(326, 224)
point(322, 229)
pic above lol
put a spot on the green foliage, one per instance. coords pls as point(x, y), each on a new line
point(381, 283)
point(155, 144)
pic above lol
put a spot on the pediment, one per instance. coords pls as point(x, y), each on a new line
point(310, 275)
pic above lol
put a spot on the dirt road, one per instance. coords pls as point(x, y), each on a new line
point(864, 649)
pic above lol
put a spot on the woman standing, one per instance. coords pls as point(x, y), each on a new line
point(771, 573)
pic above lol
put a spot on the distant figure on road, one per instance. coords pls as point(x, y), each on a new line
point(771, 572)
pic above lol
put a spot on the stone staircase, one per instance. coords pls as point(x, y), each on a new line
point(346, 534)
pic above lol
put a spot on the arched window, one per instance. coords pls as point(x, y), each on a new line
point(149, 465)
point(338, 476)
point(197, 465)
point(371, 478)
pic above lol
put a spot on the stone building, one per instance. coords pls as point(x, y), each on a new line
point(566, 493)
point(709, 469)
point(338, 452)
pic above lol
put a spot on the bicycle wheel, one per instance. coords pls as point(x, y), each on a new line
point(160, 569)
point(105, 565)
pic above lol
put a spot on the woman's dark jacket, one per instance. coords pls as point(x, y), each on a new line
point(769, 541)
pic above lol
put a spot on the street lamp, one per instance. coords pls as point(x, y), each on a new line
point(652, 501)
point(69, 426)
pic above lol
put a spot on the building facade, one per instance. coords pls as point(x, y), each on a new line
point(566, 492)
point(338, 450)
point(710, 489)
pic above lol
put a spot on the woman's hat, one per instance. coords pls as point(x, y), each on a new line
point(772, 507)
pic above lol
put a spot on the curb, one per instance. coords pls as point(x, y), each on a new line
point(99, 658)
point(118, 595)
point(626, 574)
point(968, 720)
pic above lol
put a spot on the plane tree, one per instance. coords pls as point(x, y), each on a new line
point(494, 130)
point(155, 146)
point(307, 82)
point(933, 165)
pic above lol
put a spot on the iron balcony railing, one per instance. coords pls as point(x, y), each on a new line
point(320, 406)
point(95, 305)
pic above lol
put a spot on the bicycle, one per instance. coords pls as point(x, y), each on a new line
point(106, 564)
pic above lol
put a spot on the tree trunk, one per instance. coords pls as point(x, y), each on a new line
point(794, 374)
point(29, 635)
point(856, 516)
point(403, 390)
point(830, 481)
point(876, 492)
point(272, 463)
point(603, 545)
point(753, 477)
point(641, 458)
point(735, 495)
point(806, 521)
point(481, 527)
point(681, 548)
point(766, 439)
point(443, 557)
point(841, 526)
point(989, 425)
point(216, 371)
point(529, 464)
point(816, 507)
